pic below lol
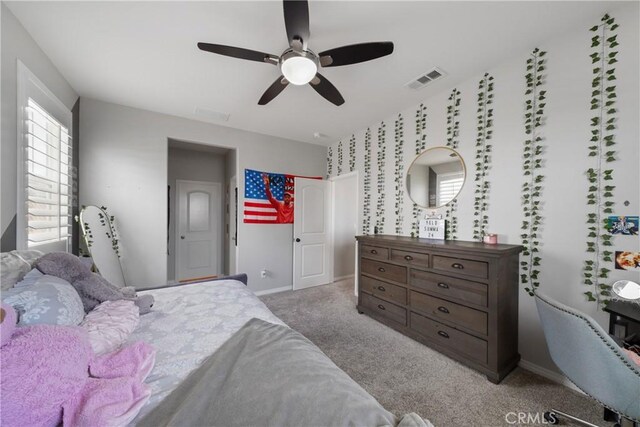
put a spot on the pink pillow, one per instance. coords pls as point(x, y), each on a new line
point(633, 356)
point(110, 324)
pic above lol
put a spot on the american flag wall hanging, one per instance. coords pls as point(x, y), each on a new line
point(268, 197)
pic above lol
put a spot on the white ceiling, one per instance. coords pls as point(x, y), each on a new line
point(144, 54)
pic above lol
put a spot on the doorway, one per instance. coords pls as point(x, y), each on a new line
point(198, 178)
point(198, 225)
point(345, 225)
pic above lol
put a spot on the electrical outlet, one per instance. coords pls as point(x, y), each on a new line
point(263, 273)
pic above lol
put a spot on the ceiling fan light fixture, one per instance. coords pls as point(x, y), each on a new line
point(299, 70)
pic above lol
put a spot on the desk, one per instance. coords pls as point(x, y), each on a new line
point(624, 320)
point(623, 313)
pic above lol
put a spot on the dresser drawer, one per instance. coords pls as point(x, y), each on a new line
point(411, 258)
point(471, 319)
point(461, 266)
point(384, 290)
point(384, 308)
point(472, 347)
point(450, 287)
point(374, 252)
point(383, 270)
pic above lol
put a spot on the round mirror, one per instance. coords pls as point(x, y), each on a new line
point(435, 177)
point(627, 289)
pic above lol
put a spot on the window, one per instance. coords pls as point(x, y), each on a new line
point(448, 187)
point(44, 167)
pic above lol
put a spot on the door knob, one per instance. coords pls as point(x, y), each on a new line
point(297, 240)
point(182, 237)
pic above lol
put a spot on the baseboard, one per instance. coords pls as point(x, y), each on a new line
point(549, 374)
point(274, 290)
point(348, 276)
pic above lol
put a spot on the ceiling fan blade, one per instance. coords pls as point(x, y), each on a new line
point(238, 52)
point(355, 53)
point(327, 90)
point(273, 90)
point(296, 21)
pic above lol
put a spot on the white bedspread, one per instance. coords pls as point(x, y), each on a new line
point(188, 323)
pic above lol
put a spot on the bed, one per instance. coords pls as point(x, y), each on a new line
point(221, 359)
point(251, 368)
point(188, 323)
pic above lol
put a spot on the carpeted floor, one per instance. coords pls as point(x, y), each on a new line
point(406, 376)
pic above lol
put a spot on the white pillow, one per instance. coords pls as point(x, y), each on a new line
point(110, 324)
point(14, 265)
point(50, 300)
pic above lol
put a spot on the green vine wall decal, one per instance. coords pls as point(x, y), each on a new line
point(600, 192)
point(453, 126)
point(381, 181)
point(329, 162)
point(483, 156)
point(366, 210)
point(533, 151)
point(112, 234)
point(399, 172)
point(352, 153)
point(421, 143)
point(339, 165)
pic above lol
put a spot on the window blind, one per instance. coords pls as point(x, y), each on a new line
point(47, 177)
point(448, 187)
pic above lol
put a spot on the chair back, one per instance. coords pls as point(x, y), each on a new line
point(590, 358)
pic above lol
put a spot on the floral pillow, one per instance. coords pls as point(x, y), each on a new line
point(50, 300)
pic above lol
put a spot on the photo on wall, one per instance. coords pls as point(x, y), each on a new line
point(627, 260)
point(624, 225)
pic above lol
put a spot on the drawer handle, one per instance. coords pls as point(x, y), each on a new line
point(381, 307)
point(381, 269)
point(373, 251)
point(408, 257)
point(381, 288)
point(443, 309)
point(443, 334)
point(457, 265)
point(443, 285)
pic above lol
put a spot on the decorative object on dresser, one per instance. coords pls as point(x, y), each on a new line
point(460, 298)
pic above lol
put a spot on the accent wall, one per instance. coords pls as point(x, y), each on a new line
point(485, 119)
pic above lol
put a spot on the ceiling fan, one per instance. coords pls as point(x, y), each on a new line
point(298, 63)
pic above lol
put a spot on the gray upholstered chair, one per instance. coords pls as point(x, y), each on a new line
point(591, 359)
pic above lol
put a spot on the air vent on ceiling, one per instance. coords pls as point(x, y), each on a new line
point(211, 115)
point(423, 79)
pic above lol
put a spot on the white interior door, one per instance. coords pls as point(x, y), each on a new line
point(198, 231)
point(345, 224)
point(312, 254)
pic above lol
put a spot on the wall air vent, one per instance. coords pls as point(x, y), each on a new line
point(423, 79)
point(211, 115)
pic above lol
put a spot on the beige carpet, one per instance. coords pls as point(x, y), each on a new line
point(406, 376)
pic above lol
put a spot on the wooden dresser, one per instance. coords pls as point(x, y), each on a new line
point(460, 298)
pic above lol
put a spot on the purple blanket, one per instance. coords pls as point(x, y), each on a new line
point(50, 374)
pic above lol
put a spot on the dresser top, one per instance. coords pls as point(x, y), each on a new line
point(382, 239)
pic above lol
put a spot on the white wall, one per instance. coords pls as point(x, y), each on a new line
point(193, 165)
point(18, 44)
point(123, 165)
point(345, 225)
point(567, 134)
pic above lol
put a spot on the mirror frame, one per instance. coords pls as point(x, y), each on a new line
point(406, 176)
